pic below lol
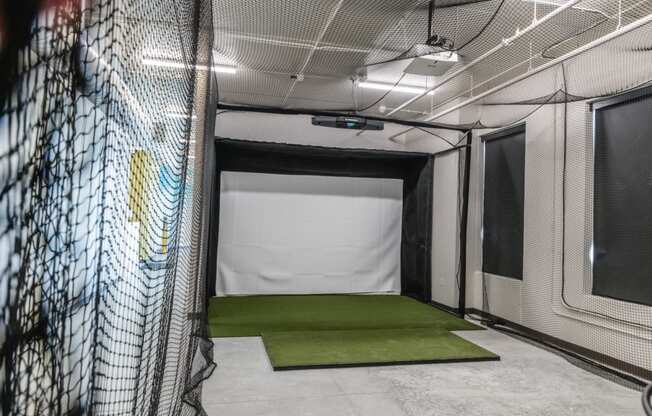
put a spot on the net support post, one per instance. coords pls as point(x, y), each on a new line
point(464, 223)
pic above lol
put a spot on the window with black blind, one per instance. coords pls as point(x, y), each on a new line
point(622, 197)
point(502, 225)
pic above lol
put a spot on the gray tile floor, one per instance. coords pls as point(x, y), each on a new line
point(527, 381)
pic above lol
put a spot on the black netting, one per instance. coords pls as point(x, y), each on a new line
point(104, 108)
point(594, 173)
point(575, 244)
point(102, 123)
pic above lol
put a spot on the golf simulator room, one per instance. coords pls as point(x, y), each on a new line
point(326, 208)
point(315, 247)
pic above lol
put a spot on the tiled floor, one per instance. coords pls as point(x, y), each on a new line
point(527, 381)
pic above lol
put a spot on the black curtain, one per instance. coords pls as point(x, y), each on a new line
point(415, 169)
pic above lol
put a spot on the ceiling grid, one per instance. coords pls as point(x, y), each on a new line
point(312, 55)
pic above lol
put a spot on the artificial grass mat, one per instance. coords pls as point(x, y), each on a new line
point(305, 331)
point(318, 349)
point(253, 315)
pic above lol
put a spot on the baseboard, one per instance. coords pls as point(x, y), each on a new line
point(383, 364)
point(445, 308)
point(634, 374)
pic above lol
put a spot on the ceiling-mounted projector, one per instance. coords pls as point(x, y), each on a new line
point(347, 122)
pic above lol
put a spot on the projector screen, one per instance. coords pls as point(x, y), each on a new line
point(290, 234)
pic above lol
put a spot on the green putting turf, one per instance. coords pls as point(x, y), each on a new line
point(254, 315)
point(306, 349)
point(344, 330)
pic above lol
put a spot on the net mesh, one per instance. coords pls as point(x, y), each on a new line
point(285, 64)
point(556, 57)
point(556, 296)
point(102, 171)
point(101, 211)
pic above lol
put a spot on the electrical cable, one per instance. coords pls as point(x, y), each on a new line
point(443, 45)
point(580, 33)
point(436, 135)
point(563, 238)
point(477, 35)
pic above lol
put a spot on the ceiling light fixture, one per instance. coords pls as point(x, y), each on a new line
point(387, 87)
point(547, 2)
point(225, 69)
point(442, 57)
point(179, 115)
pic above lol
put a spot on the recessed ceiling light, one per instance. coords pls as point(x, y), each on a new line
point(180, 115)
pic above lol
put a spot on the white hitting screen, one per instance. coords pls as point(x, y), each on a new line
point(287, 234)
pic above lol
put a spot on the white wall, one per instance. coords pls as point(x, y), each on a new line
point(445, 230)
point(536, 302)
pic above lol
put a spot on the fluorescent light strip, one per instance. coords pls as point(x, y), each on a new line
point(388, 87)
point(178, 115)
point(225, 69)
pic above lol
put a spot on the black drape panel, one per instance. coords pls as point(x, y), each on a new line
point(622, 213)
point(415, 169)
point(504, 181)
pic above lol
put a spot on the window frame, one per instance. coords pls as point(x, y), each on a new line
point(503, 134)
point(594, 107)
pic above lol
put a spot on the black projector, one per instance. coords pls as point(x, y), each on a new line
point(347, 122)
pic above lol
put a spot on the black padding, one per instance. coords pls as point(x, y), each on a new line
point(622, 213)
point(415, 169)
point(502, 236)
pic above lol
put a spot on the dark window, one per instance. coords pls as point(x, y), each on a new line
point(502, 225)
point(622, 211)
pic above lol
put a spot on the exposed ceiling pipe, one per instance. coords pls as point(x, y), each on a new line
point(314, 49)
point(493, 78)
point(505, 42)
point(616, 33)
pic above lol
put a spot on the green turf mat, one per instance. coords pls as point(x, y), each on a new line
point(310, 349)
point(253, 315)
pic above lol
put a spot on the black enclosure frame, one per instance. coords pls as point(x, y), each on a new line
point(415, 169)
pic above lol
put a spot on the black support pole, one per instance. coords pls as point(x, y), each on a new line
point(431, 8)
point(464, 222)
